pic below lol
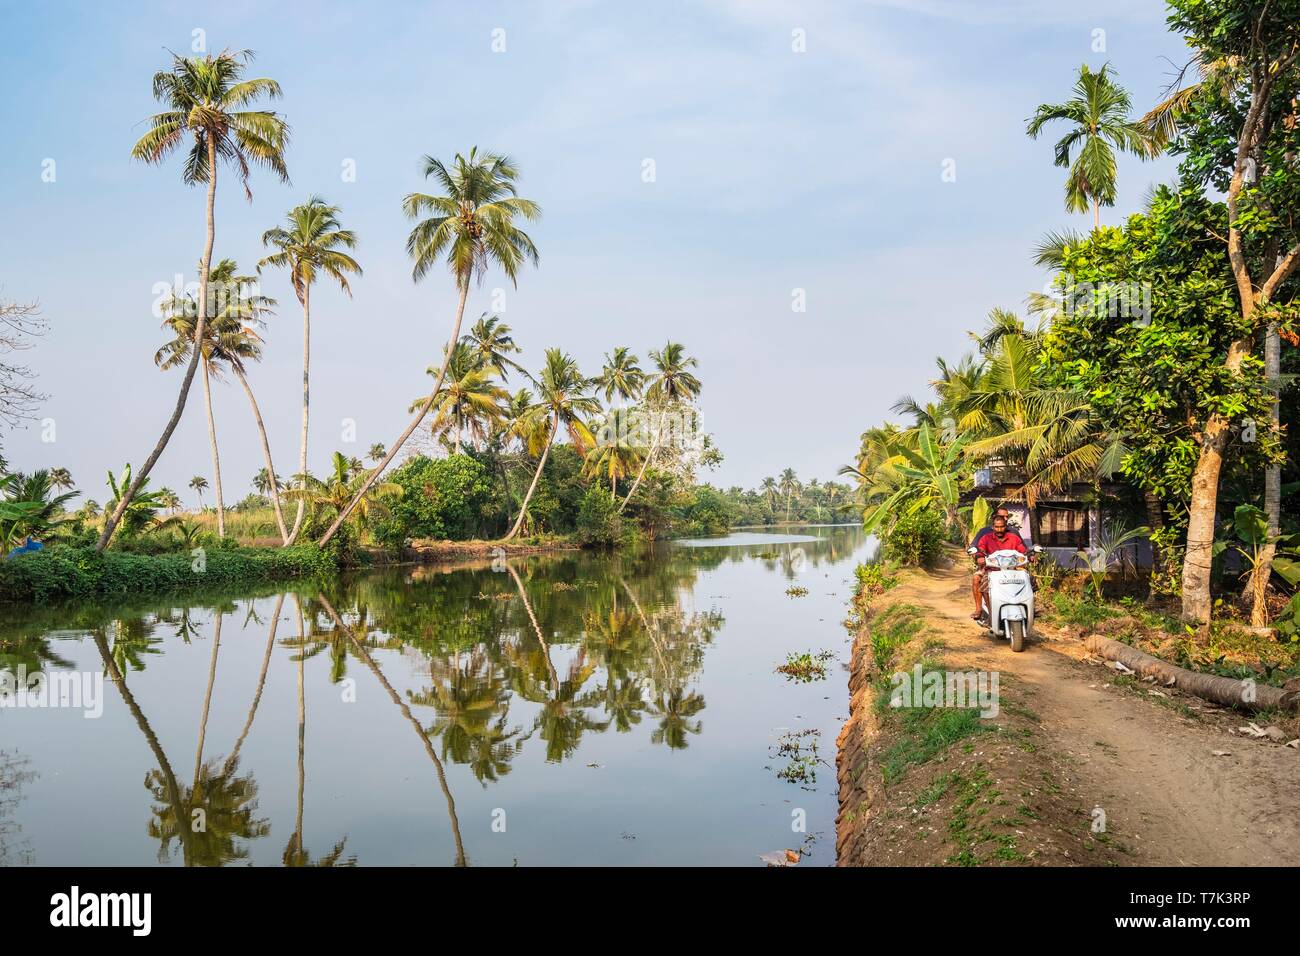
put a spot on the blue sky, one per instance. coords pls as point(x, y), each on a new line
point(775, 170)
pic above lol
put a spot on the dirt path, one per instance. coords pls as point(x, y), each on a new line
point(1148, 764)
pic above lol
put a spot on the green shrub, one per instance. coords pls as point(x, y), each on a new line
point(707, 513)
point(599, 522)
point(447, 498)
point(915, 539)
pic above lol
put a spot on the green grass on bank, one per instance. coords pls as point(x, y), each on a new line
point(60, 572)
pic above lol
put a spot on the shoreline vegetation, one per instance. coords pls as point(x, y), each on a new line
point(500, 449)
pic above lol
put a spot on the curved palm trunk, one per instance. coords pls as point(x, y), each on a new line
point(654, 447)
point(523, 508)
point(261, 683)
point(406, 712)
point(207, 697)
point(306, 406)
point(266, 454)
point(410, 429)
point(200, 329)
point(216, 455)
point(537, 629)
point(116, 677)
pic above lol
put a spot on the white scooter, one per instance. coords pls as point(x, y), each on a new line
point(1009, 596)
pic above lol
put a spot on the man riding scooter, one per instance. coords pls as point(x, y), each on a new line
point(997, 538)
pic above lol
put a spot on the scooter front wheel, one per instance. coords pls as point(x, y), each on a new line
point(1017, 629)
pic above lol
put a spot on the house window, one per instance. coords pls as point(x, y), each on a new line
point(1063, 527)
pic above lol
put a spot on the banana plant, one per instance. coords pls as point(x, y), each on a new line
point(930, 477)
point(1250, 538)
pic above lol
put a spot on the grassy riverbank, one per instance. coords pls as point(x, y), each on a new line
point(59, 573)
point(933, 784)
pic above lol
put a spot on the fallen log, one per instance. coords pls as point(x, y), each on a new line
point(1220, 690)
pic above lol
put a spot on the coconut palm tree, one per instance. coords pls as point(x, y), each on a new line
point(169, 499)
point(614, 454)
point(199, 484)
point(231, 342)
point(377, 452)
point(262, 481)
point(61, 478)
point(1099, 112)
point(468, 403)
point(493, 343)
point(789, 487)
point(563, 401)
point(470, 227)
point(204, 98)
point(310, 244)
point(621, 376)
point(181, 318)
point(671, 386)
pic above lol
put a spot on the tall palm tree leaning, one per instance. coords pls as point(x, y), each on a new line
point(472, 227)
point(671, 386)
point(229, 343)
point(1099, 111)
point(562, 398)
point(311, 243)
point(204, 96)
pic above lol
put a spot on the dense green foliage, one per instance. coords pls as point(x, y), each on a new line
point(449, 497)
point(1157, 378)
point(62, 572)
point(914, 539)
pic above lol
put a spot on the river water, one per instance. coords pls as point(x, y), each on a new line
point(571, 708)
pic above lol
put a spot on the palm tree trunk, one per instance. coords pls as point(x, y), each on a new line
point(546, 648)
point(425, 738)
point(302, 729)
point(1096, 214)
point(207, 697)
point(216, 455)
point(654, 446)
point(306, 404)
point(261, 683)
point(200, 329)
point(116, 677)
point(410, 429)
point(266, 454)
point(523, 508)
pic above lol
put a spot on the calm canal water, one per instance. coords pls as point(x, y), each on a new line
point(576, 708)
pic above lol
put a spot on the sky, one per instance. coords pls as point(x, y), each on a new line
point(868, 160)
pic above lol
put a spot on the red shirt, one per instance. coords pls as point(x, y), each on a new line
point(1010, 541)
